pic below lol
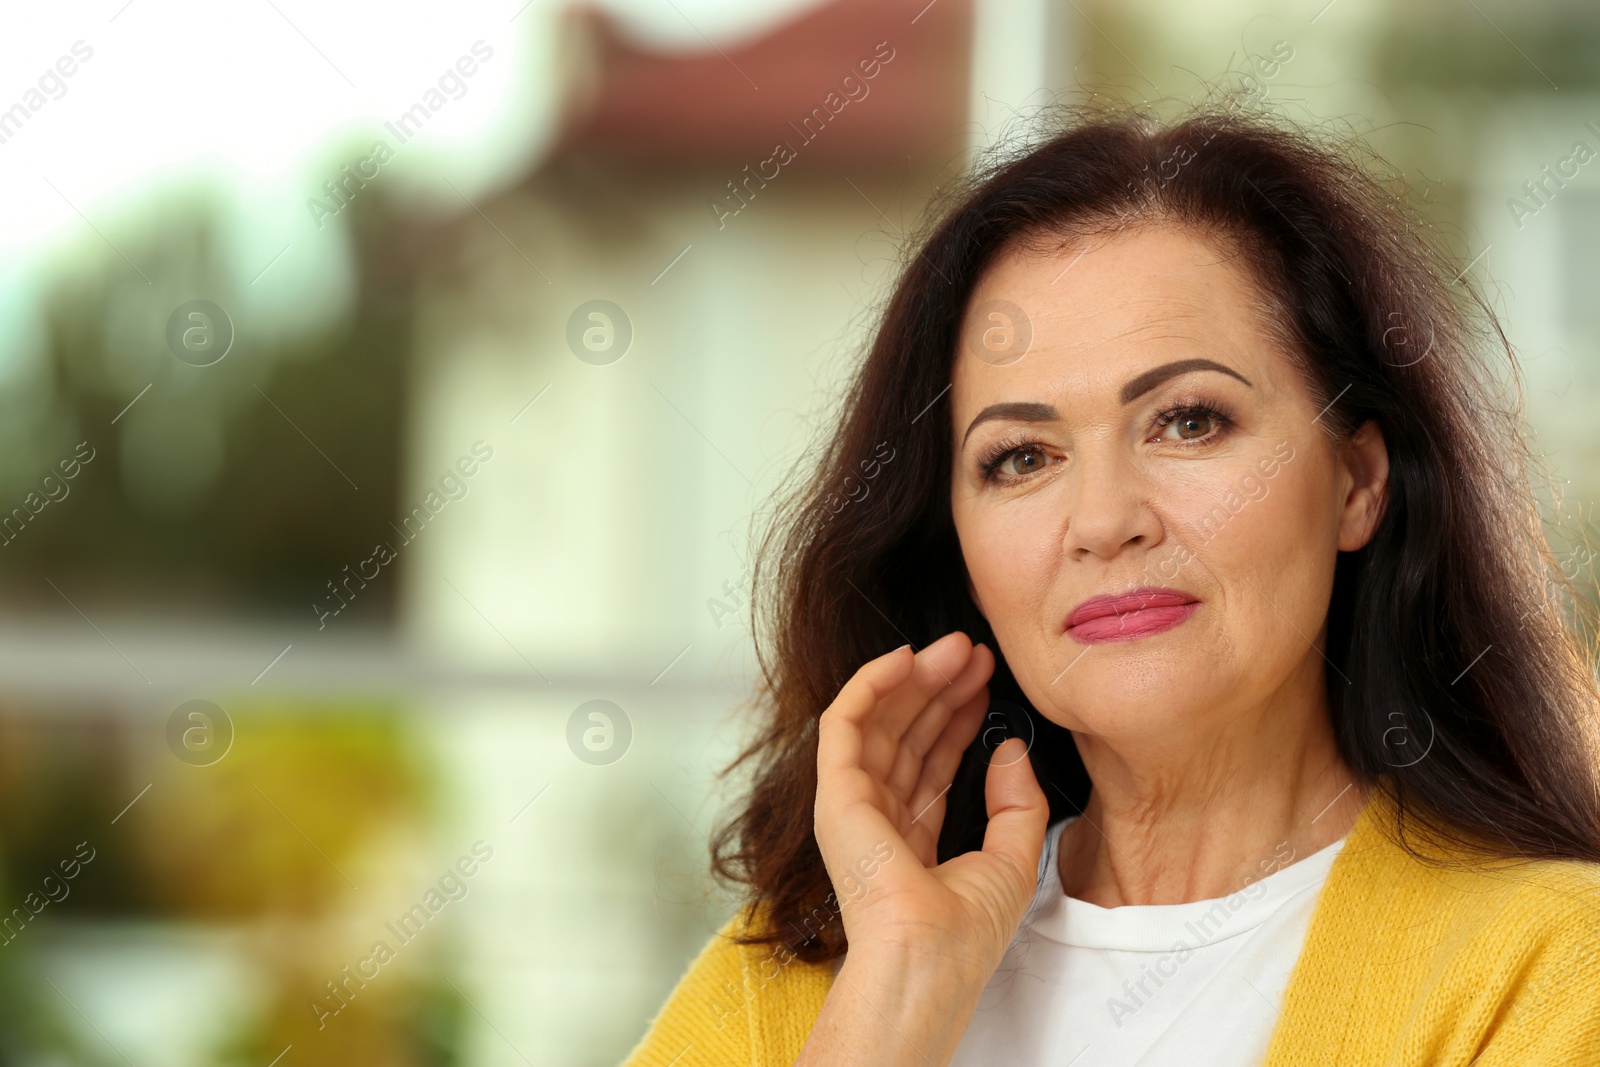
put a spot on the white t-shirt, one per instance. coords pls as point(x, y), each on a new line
point(1195, 984)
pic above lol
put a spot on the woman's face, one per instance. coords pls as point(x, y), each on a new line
point(1147, 502)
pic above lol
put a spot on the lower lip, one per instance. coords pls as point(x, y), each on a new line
point(1130, 625)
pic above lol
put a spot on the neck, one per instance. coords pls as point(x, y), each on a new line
point(1206, 818)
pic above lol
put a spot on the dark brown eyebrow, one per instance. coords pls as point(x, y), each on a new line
point(1032, 411)
point(1147, 381)
point(1021, 410)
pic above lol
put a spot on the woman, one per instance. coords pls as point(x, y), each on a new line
point(1174, 461)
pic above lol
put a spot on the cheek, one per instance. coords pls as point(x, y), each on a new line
point(1272, 556)
point(1011, 556)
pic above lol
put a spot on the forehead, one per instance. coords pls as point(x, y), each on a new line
point(1096, 311)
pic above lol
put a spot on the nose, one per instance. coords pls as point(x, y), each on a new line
point(1108, 509)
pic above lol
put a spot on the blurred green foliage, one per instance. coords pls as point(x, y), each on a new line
point(203, 495)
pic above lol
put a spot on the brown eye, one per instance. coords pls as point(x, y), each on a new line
point(1023, 461)
point(1191, 425)
point(1014, 463)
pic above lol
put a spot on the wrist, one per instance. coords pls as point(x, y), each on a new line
point(924, 965)
point(919, 999)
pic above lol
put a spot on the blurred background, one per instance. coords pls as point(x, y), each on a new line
point(386, 394)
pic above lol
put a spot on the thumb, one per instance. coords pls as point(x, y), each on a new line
point(1018, 810)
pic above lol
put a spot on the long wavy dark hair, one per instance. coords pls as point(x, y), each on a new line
point(862, 556)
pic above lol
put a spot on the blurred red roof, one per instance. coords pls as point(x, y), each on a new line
point(737, 102)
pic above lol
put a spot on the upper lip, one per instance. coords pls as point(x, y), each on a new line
point(1133, 600)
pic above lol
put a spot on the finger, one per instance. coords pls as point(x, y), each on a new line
point(919, 740)
point(940, 765)
point(839, 741)
point(936, 668)
point(928, 726)
point(849, 835)
point(1018, 813)
point(930, 797)
point(933, 671)
point(849, 816)
point(854, 811)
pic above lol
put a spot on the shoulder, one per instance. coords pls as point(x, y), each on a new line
point(1446, 951)
point(1517, 967)
point(1542, 917)
point(1394, 874)
point(736, 1004)
point(1467, 894)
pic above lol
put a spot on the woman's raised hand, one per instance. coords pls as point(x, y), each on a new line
point(924, 937)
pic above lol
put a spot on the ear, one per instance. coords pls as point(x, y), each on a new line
point(1365, 459)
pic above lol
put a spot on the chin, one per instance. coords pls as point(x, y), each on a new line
point(1129, 681)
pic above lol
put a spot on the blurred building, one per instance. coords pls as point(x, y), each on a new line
point(453, 537)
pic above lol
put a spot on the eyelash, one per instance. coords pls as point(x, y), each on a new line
point(995, 455)
point(1223, 420)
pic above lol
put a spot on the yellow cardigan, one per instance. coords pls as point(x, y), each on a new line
point(1405, 964)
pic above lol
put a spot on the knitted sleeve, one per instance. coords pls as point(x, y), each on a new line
point(1551, 1017)
point(702, 1021)
point(735, 1006)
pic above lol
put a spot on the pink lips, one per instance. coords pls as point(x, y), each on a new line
point(1129, 616)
